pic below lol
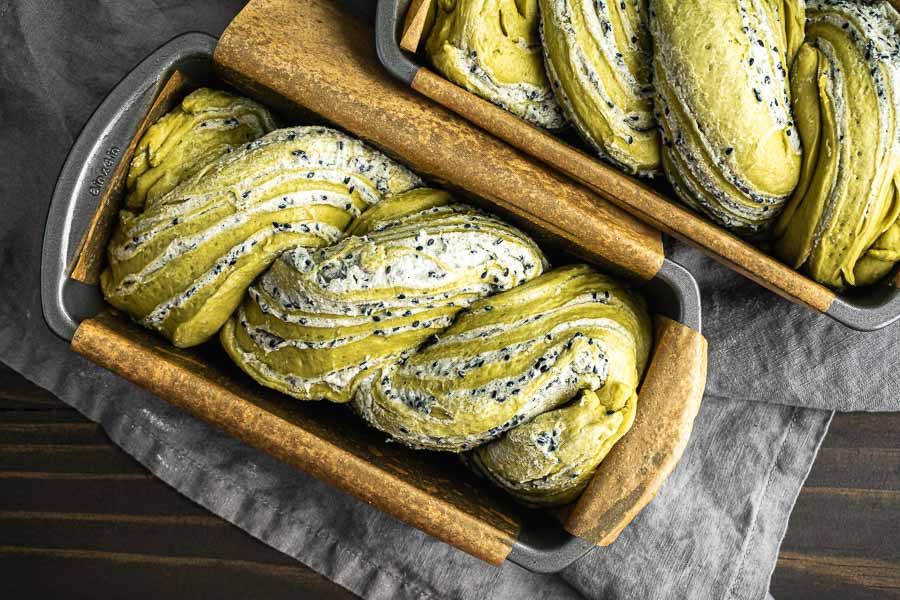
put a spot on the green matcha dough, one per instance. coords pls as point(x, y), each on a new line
point(407, 204)
point(550, 460)
point(840, 225)
point(730, 145)
point(598, 57)
point(492, 48)
point(320, 320)
point(509, 358)
point(181, 266)
point(207, 124)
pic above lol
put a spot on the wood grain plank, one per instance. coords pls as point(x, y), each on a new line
point(206, 520)
point(56, 413)
point(66, 458)
point(864, 430)
point(841, 542)
point(861, 468)
point(115, 493)
point(26, 398)
point(78, 573)
point(816, 576)
point(18, 393)
point(15, 387)
point(54, 449)
point(846, 521)
point(112, 523)
point(174, 535)
point(48, 431)
point(15, 402)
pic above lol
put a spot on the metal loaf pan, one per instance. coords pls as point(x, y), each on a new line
point(865, 309)
point(423, 489)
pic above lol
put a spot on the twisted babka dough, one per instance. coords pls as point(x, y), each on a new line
point(841, 223)
point(511, 357)
point(730, 147)
point(492, 48)
point(319, 320)
point(207, 124)
point(181, 266)
point(598, 60)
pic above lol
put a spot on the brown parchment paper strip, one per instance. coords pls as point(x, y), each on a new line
point(628, 193)
point(327, 441)
point(315, 55)
point(416, 24)
point(640, 462)
point(89, 259)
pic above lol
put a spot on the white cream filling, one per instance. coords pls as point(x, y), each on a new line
point(162, 310)
point(180, 246)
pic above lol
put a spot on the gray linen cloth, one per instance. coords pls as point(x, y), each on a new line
point(776, 373)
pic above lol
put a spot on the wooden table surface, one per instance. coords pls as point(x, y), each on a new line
point(81, 519)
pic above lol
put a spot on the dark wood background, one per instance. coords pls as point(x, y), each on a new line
point(81, 519)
